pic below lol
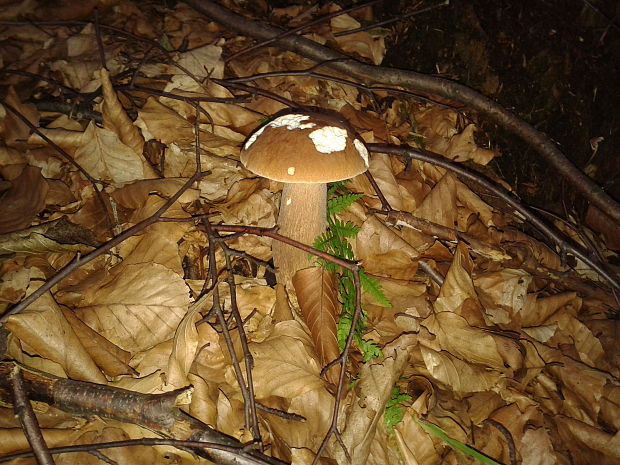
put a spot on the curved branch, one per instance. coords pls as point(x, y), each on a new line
point(434, 85)
point(429, 157)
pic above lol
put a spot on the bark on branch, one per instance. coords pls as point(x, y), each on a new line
point(156, 412)
point(420, 82)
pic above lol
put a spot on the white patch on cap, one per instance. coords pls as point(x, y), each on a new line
point(363, 151)
point(291, 170)
point(253, 138)
point(329, 139)
point(291, 122)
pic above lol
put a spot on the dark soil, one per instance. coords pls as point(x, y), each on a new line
point(555, 63)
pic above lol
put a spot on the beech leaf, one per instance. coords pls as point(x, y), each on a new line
point(317, 296)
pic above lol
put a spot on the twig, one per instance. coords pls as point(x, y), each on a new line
point(28, 420)
point(82, 260)
point(271, 232)
point(100, 41)
point(547, 231)
point(242, 457)
point(392, 20)
point(290, 32)
point(342, 360)
point(509, 440)
point(67, 157)
point(280, 413)
point(431, 272)
point(326, 77)
point(424, 83)
point(247, 389)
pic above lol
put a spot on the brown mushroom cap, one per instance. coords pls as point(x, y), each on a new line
point(305, 147)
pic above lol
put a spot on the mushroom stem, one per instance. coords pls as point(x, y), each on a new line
point(302, 217)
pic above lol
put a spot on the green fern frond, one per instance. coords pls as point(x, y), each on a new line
point(394, 412)
point(374, 288)
point(338, 204)
point(335, 187)
point(335, 241)
point(348, 229)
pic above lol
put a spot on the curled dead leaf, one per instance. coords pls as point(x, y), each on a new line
point(316, 293)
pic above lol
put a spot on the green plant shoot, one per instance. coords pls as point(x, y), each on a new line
point(394, 412)
point(335, 241)
point(457, 445)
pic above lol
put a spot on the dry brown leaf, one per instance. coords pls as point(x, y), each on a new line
point(457, 375)
point(474, 204)
point(316, 406)
point(283, 364)
point(67, 139)
point(204, 400)
point(159, 243)
point(373, 389)
point(439, 206)
point(149, 365)
point(139, 307)
point(415, 444)
point(257, 208)
point(54, 236)
point(458, 288)
point(536, 447)
point(116, 120)
point(473, 345)
point(360, 43)
point(23, 200)
point(112, 360)
point(317, 296)
point(582, 438)
point(503, 294)
point(381, 170)
point(99, 432)
point(184, 350)
point(13, 440)
point(12, 128)
point(529, 250)
point(160, 122)
point(462, 147)
point(104, 156)
point(44, 331)
point(375, 238)
point(253, 297)
point(537, 311)
point(134, 195)
point(213, 359)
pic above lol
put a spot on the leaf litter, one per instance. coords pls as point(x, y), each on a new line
point(509, 335)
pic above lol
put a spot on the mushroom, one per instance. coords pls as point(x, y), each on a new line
point(304, 150)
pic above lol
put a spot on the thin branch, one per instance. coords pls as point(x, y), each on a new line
point(80, 261)
point(291, 32)
point(247, 389)
point(327, 77)
point(241, 457)
point(271, 232)
point(156, 412)
point(28, 420)
point(424, 83)
point(392, 20)
point(67, 157)
point(547, 231)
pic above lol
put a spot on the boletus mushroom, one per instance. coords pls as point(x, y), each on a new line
point(304, 150)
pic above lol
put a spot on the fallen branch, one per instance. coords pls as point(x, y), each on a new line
point(421, 82)
point(157, 412)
